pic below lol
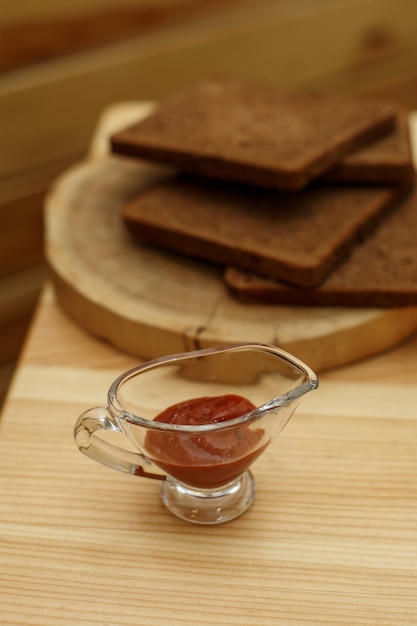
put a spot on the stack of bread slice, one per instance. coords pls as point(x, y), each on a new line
point(303, 198)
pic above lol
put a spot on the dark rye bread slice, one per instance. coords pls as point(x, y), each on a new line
point(381, 271)
point(237, 130)
point(297, 238)
point(387, 160)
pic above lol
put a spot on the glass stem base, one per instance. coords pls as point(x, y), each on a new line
point(209, 506)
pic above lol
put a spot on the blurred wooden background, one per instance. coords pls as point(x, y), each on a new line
point(62, 63)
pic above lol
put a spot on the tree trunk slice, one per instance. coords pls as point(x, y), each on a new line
point(149, 302)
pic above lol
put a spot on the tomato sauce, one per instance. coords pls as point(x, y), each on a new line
point(211, 459)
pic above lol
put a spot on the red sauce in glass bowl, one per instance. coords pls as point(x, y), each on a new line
point(205, 460)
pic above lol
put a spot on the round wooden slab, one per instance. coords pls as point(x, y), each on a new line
point(150, 303)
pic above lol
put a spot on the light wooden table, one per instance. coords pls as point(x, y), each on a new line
point(331, 538)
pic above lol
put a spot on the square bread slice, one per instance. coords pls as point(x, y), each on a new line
point(387, 160)
point(297, 238)
point(381, 271)
point(253, 133)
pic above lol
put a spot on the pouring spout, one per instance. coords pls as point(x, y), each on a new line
point(291, 396)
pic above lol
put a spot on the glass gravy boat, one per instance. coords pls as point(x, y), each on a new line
point(204, 465)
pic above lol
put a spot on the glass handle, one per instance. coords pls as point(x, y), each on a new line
point(86, 435)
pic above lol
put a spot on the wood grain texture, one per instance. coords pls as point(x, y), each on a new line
point(149, 303)
point(331, 538)
point(62, 33)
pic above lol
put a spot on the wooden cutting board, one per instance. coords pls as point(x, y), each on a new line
point(149, 302)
